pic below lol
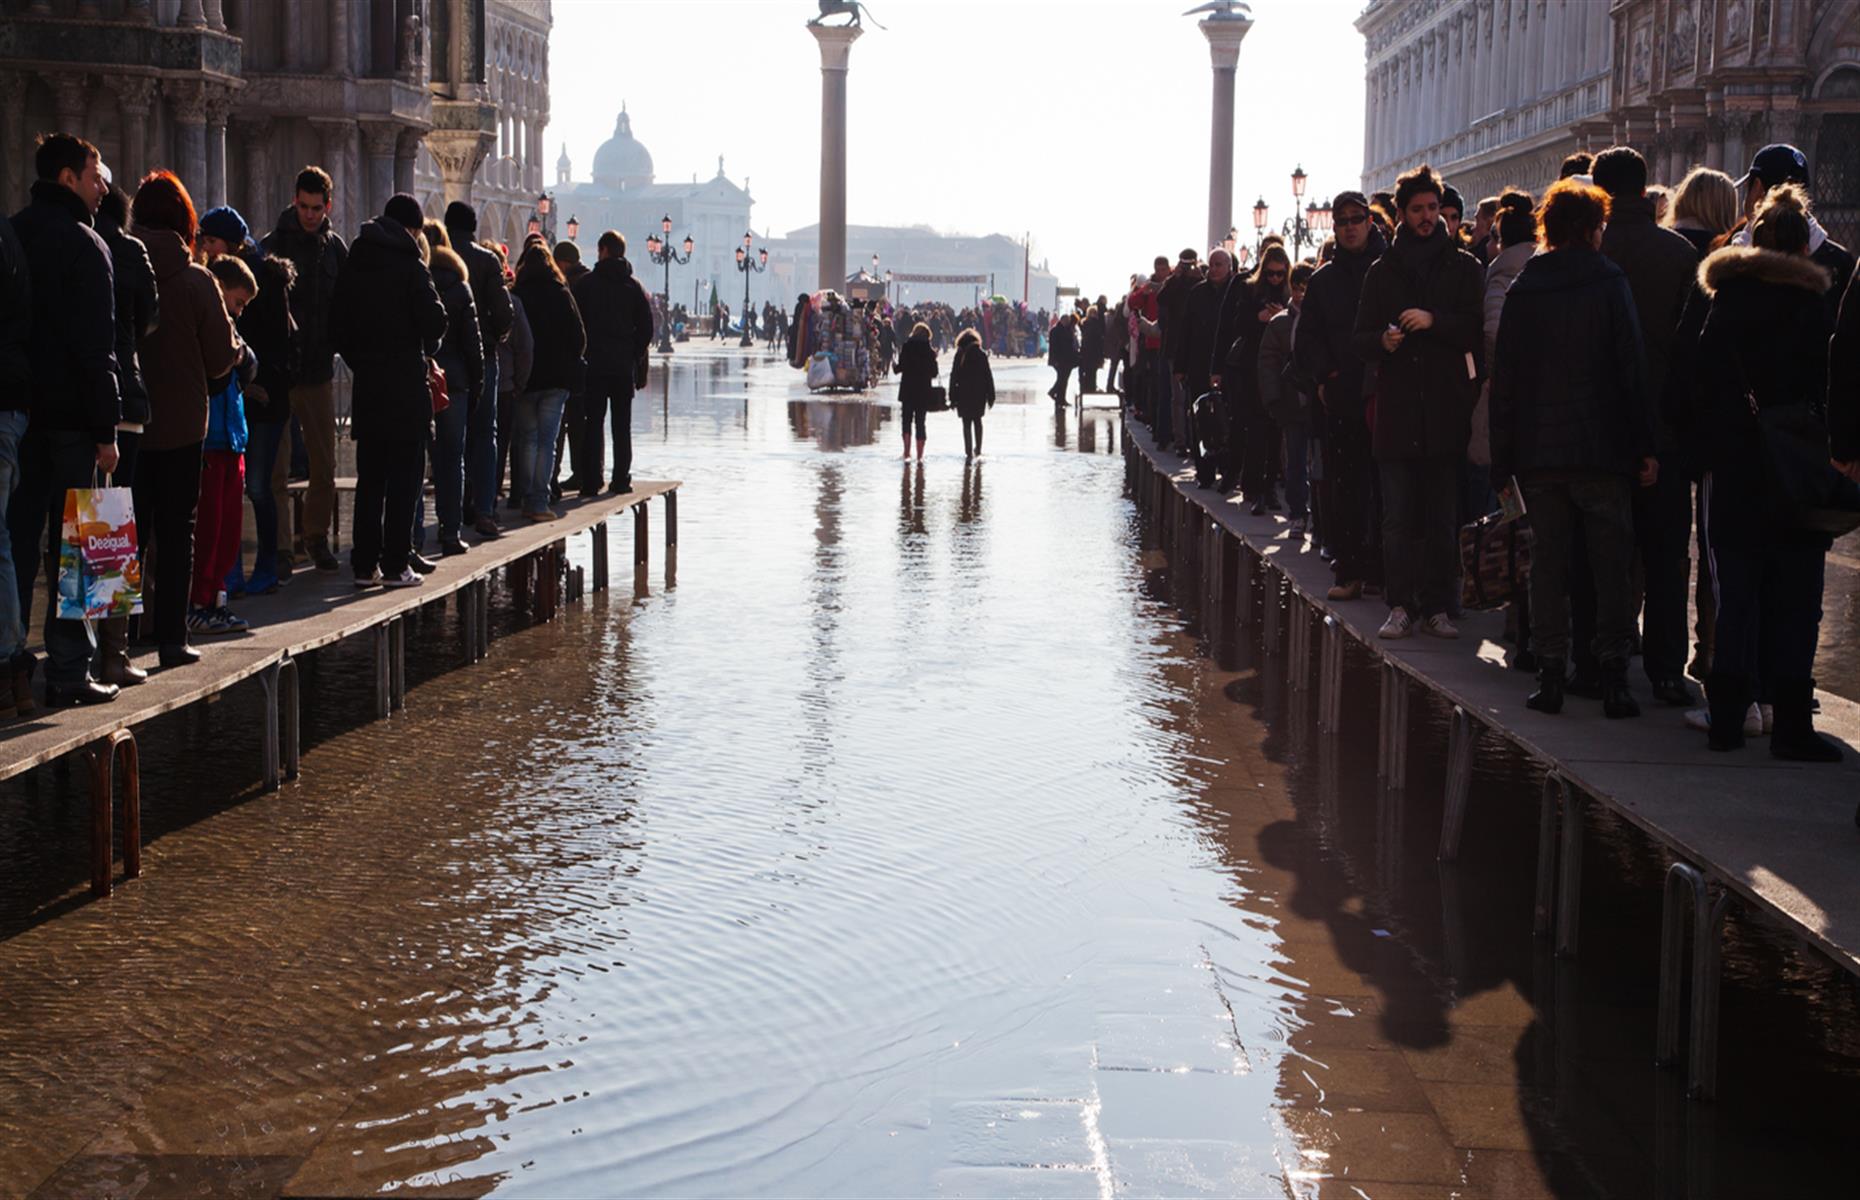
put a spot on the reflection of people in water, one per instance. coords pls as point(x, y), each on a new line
point(911, 499)
point(971, 388)
point(969, 509)
point(916, 368)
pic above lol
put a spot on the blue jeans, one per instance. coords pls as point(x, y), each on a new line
point(532, 451)
point(481, 443)
point(447, 449)
point(1297, 470)
point(12, 628)
point(263, 441)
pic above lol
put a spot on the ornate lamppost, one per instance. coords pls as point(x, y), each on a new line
point(545, 210)
point(665, 254)
point(574, 228)
point(1260, 213)
point(747, 262)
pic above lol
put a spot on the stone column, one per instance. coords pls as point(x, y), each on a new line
point(255, 136)
point(215, 13)
point(406, 157)
point(380, 139)
point(187, 100)
point(1224, 31)
point(334, 135)
point(136, 96)
point(835, 55)
point(218, 106)
point(15, 168)
point(193, 15)
point(141, 12)
point(458, 154)
point(339, 64)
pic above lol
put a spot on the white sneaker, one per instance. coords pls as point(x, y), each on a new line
point(1399, 625)
point(408, 578)
point(1441, 626)
point(1766, 719)
point(364, 582)
point(1754, 726)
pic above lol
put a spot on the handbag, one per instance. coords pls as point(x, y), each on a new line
point(938, 402)
point(436, 387)
point(1801, 488)
point(99, 573)
point(1495, 561)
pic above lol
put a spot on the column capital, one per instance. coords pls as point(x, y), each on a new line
point(1225, 32)
point(218, 104)
point(835, 44)
point(381, 137)
point(136, 93)
point(188, 98)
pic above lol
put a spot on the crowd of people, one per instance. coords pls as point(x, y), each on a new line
point(1615, 360)
point(145, 346)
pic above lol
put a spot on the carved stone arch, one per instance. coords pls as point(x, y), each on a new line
point(1836, 35)
point(1838, 81)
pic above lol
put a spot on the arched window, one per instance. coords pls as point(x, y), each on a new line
point(1836, 161)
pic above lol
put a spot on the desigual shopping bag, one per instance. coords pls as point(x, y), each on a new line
point(99, 574)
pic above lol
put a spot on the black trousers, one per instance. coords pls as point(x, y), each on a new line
point(1663, 535)
point(388, 477)
point(912, 414)
point(50, 463)
point(1350, 522)
point(605, 396)
point(971, 435)
point(568, 437)
point(167, 491)
point(1259, 473)
point(1600, 506)
point(1420, 534)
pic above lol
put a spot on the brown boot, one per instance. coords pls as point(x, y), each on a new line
point(20, 699)
point(113, 665)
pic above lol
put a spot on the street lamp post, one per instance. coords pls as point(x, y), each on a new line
point(1304, 227)
point(747, 262)
point(574, 229)
point(545, 209)
point(1260, 214)
point(665, 254)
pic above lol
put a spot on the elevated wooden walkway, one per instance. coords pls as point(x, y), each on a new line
point(1775, 838)
point(316, 609)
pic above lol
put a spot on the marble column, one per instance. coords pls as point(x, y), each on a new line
point(380, 139)
point(215, 13)
point(15, 174)
point(135, 95)
point(339, 53)
point(187, 100)
point(1225, 32)
point(835, 56)
point(406, 157)
point(255, 136)
point(193, 15)
point(458, 155)
point(218, 107)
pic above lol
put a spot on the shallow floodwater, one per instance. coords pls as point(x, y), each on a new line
point(913, 844)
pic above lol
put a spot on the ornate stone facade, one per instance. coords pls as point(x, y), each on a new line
point(1498, 91)
point(236, 95)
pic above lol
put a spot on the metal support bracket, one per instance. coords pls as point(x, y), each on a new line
point(1392, 745)
point(1462, 737)
point(1690, 896)
point(281, 735)
point(1330, 677)
point(1559, 865)
point(598, 559)
point(103, 757)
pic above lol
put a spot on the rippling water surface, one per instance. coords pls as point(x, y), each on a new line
point(912, 844)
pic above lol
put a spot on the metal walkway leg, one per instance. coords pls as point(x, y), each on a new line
point(1460, 741)
point(1689, 895)
point(290, 727)
point(397, 662)
point(1392, 746)
point(102, 757)
point(671, 537)
point(1269, 615)
point(1559, 865)
point(1298, 665)
point(598, 560)
point(268, 679)
point(641, 530)
point(384, 686)
point(1330, 677)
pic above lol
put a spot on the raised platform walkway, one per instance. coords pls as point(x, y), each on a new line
point(1776, 838)
point(314, 610)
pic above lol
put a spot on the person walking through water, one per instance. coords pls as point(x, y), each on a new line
point(1062, 354)
point(972, 389)
point(916, 368)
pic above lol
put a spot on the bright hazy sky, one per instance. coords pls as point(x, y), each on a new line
point(1084, 122)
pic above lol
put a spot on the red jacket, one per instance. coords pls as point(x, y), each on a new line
point(1142, 303)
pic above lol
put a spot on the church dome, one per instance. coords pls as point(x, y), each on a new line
point(622, 162)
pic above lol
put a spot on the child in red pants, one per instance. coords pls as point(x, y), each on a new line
point(221, 512)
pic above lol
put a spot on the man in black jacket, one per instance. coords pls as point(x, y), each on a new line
point(317, 253)
point(1322, 353)
point(1200, 317)
point(1171, 300)
point(75, 398)
point(1421, 323)
point(492, 300)
point(618, 319)
point(1660, 266)
point(15, 400)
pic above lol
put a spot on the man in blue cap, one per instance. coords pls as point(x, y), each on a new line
point(1773, 166)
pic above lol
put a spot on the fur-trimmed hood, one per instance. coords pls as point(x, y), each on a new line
point(1747, 264)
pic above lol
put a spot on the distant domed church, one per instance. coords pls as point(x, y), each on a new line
point(623, 195)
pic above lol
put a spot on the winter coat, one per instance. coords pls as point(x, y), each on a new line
point(1091, 341)
point(1499, 274)
point(1117, 334)
point(1281, 396)
point(1236, 339)
point(1170, 300)
point(1660, 266)
point(1062, 349)
point(1425, 390)
point(1569, 375)
point(138, 312)
point(461, 353)
point(193, 346)
point(1701, 239)
point(73, 350)
point(386, 319)
point(1844, 381)
point(1141, 308)
point(319, 258)
point(516, 356)
point(1765, 340)
point(971, 383)
point(916, 368)
point(488, 295)
point(1323, 340)
point(15, 323)
point(267, 327)
point(558, 335)
point(618, 316)
point(1201, 319)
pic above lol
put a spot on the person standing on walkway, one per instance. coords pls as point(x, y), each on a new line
point(571, 434)
point(491, 300)
point(221, 506)
point(1252, 436)
point(317, 253)
point(916, 368)
point(1323, 351)
point(1062, 355)
point(388, 320)
point(1116, 340)
point(267, 327)
point(971, 389)
point(461, 357)
point(1201, 319)
point(1660, 266)
point(71, 436)
point(194, 345)
point(618, 318)
point(1572, 420)
point(560, 340)
point(15, 405)
point(515, 359)
point(1284, 401)
point(1764, 347)
point(1091, 350)
point(1420, 325)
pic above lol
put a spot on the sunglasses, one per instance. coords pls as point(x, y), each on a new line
point(1275, 276)
point(1349, 222)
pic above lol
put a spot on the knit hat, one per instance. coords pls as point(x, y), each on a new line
point(1450, 198)
point(404, 209)
point(225, 223)
point(461, 216)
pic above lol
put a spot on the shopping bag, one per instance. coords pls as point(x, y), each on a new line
point(99, 575)
point(1495, 561)
point(820, 370)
